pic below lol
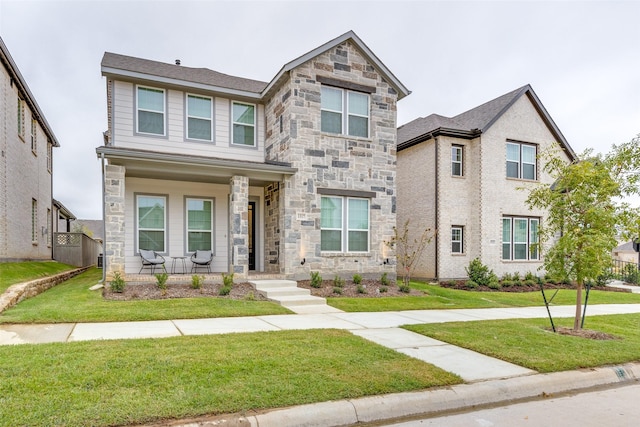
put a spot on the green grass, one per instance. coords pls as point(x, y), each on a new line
point(17, 272)
point(527, 342)
point(437, 297)
point(141, 381)
point(72, 301)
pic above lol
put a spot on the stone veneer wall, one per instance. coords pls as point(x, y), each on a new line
point(334, 162)
point(239, 226)
point(114, 220)
point(272, 228)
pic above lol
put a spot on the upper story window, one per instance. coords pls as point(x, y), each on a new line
point(244, 124)
point(344, 112)
point(521, 161)
point(457, 234)
point(34, 136)
point(49, 156)
point(150, 110)
point(456, 160)
point(199, 118)
point(344, 224)
point(152, 222)
point(21, 117)
point(520, 238)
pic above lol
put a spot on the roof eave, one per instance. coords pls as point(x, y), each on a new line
point(441, 131)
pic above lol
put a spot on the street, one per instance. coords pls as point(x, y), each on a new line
point(611, 407)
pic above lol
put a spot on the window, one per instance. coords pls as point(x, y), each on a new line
point(34, 140)
point(34, 221)
point(244, 124)
point(199, 224)
point(199, 118)
point(456, 160)
point(456, 239)
point(49, 230)
point(344, 223)
point(150, 110)
point(49, 156)
point(333, 118)
point(520, 238)
point(151, 220)
point(521, 161)
point(21, 118)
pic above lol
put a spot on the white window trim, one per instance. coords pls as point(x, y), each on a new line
point(187, 116)
point(34, 137)
point(137, 224)
point(21, 118)
point(344, 230)
point(461, 241)
point(255, 127)
point(521, 161)
point(344, 113)
point(512, 242)
point(186, 222)
point(164, 110)
point(49, 156)
point(460, 162)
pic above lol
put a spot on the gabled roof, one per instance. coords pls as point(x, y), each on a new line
point(364, 49)
point(476, 121)
point(16, 77)
point(203, 78)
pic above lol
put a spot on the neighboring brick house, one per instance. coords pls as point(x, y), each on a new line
point(461, 176)
point(286, 177)
point(26, 166)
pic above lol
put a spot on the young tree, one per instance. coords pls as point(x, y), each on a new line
point(409, 249)
point(586, 210)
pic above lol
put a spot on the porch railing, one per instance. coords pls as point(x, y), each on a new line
point(625, 271)
point(76, 249)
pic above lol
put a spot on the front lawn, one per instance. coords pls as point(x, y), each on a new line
point(72, 301)
point(104, 383)
point(436, 297)
point(528, 342)
point(18, 272)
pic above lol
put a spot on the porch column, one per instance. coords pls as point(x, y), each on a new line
point(239, 226)
point(114, 220)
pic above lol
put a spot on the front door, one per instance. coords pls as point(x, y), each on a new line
point(252, 235)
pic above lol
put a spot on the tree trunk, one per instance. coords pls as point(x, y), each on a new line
point(576, 322)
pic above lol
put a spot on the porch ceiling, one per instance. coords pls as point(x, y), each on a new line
point(178, 167)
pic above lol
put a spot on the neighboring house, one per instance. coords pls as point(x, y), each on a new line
point(285, 177)
point(461, 176)
point(62, 217)
point(26, 166)
point(625, 253)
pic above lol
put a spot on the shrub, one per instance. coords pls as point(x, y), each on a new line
point(471, 284)
point(316, 279)
point(530, 282)
point(227, 280)
point(384, 281)
point(404, 288)
point(196, 281)
point(337, 290)
point(494, 285)
point(508, 283)
point(338, 281)
point(480, 273)
point(250, 296)
point(225, 290)
point(383, 289)
point(357, 279)
point(161, 282)
point(630, 273)
point(117, 284)
point(361, 289)
point(530, 276)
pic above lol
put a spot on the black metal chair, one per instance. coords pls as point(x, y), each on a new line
point(151, 259)
point(201, 259)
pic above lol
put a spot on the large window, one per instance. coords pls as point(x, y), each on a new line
point(344, 112)
point(34, 137)
point(456, 160)
point(199, 117)
point(344, 224)
point(49, 156)
point(244, 124)
point(49, 229)
point(150, 110)
point(21, 117)
point(520, 238)
point(457, 234)
point(34, 221)
point(199, 224)
point(521, 160)
point(152, 222)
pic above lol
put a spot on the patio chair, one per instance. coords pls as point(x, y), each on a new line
point(201, 259)
point(151, 259)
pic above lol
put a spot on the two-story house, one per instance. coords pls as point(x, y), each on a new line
point(288, 176)
point(463, 175)
point(26, 166)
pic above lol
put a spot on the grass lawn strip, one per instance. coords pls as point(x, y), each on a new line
point(71, 301)
point(101, 383)
point(18, 272)
point(527, 342)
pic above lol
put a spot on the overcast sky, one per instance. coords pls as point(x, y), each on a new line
point(581, 58)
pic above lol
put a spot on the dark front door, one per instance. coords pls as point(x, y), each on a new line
point(252, 235)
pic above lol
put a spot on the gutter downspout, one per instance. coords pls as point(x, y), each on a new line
point(437, 170)
point(104, 225)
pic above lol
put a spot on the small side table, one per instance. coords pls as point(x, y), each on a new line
point(183, 259)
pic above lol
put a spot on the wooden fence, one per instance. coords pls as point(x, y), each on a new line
point(76, 249)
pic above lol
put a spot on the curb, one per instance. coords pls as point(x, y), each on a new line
point(430, 402)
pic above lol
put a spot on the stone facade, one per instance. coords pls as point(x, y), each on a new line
point(114, 246)
point(330, 161)
point(238, 226)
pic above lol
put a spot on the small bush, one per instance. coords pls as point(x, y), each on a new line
point(357, 279)
point(384, 281)
point(227, 280)
point(337, 290)
point(404, 288)
point(494, 285)
point(530, 276)
point(470, 284)
point(196, 281)
point(383, 289)
point(161, 282)
point(361, 289)
point(225, 290)
point(530, 282)
point(118, 283)
point(338, 281)
point(508, 283)
point(480, 273)
point(250, 296)
point(316, 279)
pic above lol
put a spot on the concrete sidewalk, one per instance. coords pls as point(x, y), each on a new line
point(490, 379)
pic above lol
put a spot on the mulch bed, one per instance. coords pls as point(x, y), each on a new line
point(141, 291)
point(461, 285)
point(371, 288)
point(585, 333)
